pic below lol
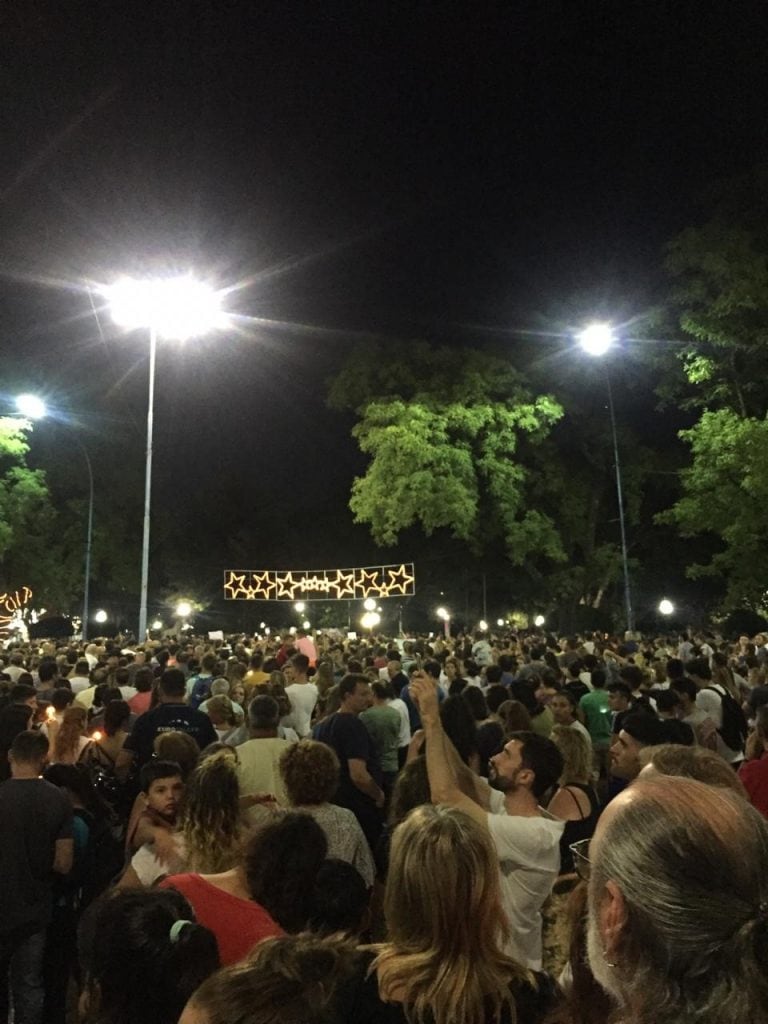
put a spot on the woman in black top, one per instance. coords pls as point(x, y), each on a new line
point(575, 801)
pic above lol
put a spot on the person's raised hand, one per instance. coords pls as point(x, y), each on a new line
point(423, 691)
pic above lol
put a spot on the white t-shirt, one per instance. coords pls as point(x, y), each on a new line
point(405, 722)
point(79, 683)
point(529, 860)
point(303, 697)
point(711, 702)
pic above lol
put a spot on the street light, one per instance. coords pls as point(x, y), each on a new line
point(596, 340)
point(369, 604)
point(173, 308)
point(100, 616)
point(370, 620)
point(445, 615)
point(666, 607)
point(300, 607)
point(34, 409)
point(482, 624)
point(539, 621)
point(499, 622)
point(157, 624)
point(183, 609)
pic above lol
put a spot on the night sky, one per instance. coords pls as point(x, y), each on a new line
point(444, 171)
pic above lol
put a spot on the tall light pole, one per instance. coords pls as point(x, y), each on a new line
point(33, 408)
point(597, 340)
point(174, 308)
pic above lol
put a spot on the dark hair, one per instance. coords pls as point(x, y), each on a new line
point(644, 727)
point(172, 683)
point(597, 678)
point(542, 757)
point(666, 700)
point(383, 691)
point(432, 668)
point(143, 679)
point(411, 790)
point(621, 689)
point(21, 693)
point(300, 662)
point(459, 725)
point(115, 714)
point(29, 747)
point(348, 684)
point(154, 770)
point(699, 667)
point(675, 669)
point(475, 701)
point(495, 696)
point(493, 674)
point(61, 698)
point(632, 675)
point(135, 970)
point(264, 712)
point(47, 670)
point(339, 899)
point(686, 686)
point(281, 863)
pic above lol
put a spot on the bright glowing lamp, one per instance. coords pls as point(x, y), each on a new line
point(306, 624)
point(157, 624)
point(262, 625)
point(31, 406)
point(539, 621)
point(666, 607)
point(443, 613)
point(370, 620)
point(176, 307)
point(483, 624)
point(100, 616)
point(369, 604)
point(596, 339)
point(499, 622)
point(183, 609)
point(300, 607)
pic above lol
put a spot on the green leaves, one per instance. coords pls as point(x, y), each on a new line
point(443, 430)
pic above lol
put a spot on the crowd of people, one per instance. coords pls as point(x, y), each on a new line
point(311, 828)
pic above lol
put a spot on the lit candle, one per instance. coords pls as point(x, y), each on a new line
point(50, 712)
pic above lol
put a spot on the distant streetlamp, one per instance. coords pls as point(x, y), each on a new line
point(369, 604)
point(157, 624)
point(101, 616)
point(499, 622)
point(370, 620)
point(482, 624)
point(306, 624)
point(174, 308)
point(34, 408)
point(183, 609)
point(300, 607)
point(596, 340)
point(666, 607)
point(539, 621)
point(445, 615)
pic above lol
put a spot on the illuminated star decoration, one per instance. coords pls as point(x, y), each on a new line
point(12, 603)
point(318, 584)
point(263, 585)
point(286, 585)
point(368, 582)
point(345, 584)
point(400, 579)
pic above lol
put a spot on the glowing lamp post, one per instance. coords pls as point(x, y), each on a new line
point(596, 340)
point(666, 607)
point(539, 621)
point(445, 615)
point(370, 621)
point(174, 308)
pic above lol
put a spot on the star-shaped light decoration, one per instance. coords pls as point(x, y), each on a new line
point(345, 584)
point(235, 585)
point(262, 585)
point(368, 582)
point(286, 585)
point(401, 579)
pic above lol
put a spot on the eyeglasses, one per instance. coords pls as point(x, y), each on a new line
point(581, 862)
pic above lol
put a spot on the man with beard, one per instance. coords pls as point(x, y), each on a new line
point(526, 837)
point(678, 904)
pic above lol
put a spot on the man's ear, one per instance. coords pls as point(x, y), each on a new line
point(613, 919)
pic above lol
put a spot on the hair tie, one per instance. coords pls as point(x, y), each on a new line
point(176, 929)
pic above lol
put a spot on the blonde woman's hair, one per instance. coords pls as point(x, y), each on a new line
point(445, 922)
point(576, 751)
point(68, 734)
point(210, 816)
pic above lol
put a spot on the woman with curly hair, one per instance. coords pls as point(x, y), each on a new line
point(70, 743)
point(209, 825)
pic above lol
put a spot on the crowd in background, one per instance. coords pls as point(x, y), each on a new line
point(316, 828)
